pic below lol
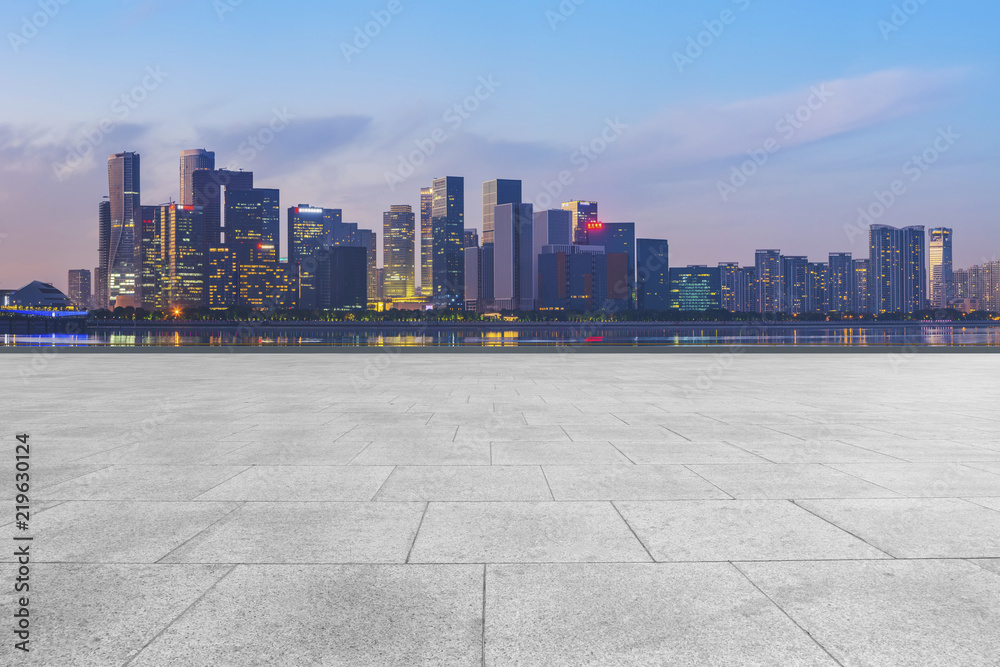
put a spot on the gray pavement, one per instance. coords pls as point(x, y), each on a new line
point(544, 509)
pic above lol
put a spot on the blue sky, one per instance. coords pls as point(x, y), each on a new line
point(889, 86)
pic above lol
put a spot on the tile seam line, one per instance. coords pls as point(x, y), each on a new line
point(841, 528)
point(416, 533)
point(634, 534)
point(858, 477)
point(200, 532)
point(786, 614)
point(231, 477)
point(178, 617)
point(708, 481)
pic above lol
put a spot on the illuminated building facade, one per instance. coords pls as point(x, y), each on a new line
point(572, 277)
point(398, 243)
point(183, 253)
point(126, 218)
point(840, 283)
point(861, 302)
point(309, 229)
point(615, 238)
point(79, 288)
point(941, 267)
point(514, 283)
point(695, 288)
point(584, 214)
point(252, 219)
point(426, 242)
point(768, 270)
point(448, 233)
point(191, 161)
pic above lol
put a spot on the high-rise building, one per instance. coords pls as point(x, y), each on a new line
point(886, 273)
point(913, 262)
point(514, 286)
point(448, 232)
point(552, 227)
point(473, 278)
point(102, 293)
point(817, 295)
point(208, 188)
point(695, 288)
point(794, 284)
point(252, 219)
point(398, 228)
point(768, 271)
point(369, 241)
point(471, 239)
point(79, 288)
point(584, 214)
point(151, 259)
point(616, 237)
point(310, 228)
point(941, 267)
point(861, 300)
point(497, 193)
point(746, 290)
point(729, 278)
point(652, 274)
point(191, 161)
point(572, 277)
point(960, 284)
point(182, 242)
point(126, 218)
point(840, 283)
point(343, 278)
point(899, 269)
point(221, 278)
point(426, 243)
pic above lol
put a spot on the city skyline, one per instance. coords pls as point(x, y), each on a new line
point(669, 132)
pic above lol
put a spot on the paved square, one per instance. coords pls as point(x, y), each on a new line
point(507, 509)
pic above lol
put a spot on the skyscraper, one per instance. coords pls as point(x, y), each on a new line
point(192, 161)
point(768, 270)
point(913, 263)
point(729, 278)
point(861, 299)
point(840, 283)
point(252, 219)
point(426, 243)
point(794, 285)
point(448, 233)
point(941, 267)
point(616, 237)
point(397, 252)
point(150, 259)
point(183, 279)
point(746, 290)
point(309, 230)
point(369, 241)
point(471, 239)
point(496, 193)
point(584, 214)
point(79, 288)
point(817, 296)
point(514, 286)
point(208, 188)
point(552, 227)
point(886, 274)
point(126, 217)
point(102, 293)
point(653, 274)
